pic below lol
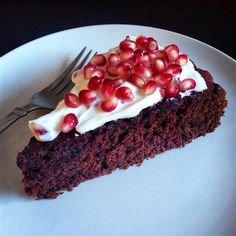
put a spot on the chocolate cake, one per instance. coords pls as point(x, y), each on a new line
point(49, 168)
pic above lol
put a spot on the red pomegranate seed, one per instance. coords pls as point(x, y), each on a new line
point(108, 87)
point(141, 70)
point(182, 60)
point(150, 87)
point(136, 80)
point(110, 104)
point(142, 42)
point(94, 83)
point(127, 63)
point(143, 60)
point(161, 54)
point(152, 44)
point(172, 90)
point(123, 71)
point(187, 84)
point(151, 55)
point(172, 52)
point(71, 100)
point(163, 80)
point(114, 59)
point(124, 93)
point(87, 96)
point(98, 72)
point(112, 70)
point(159, 65)
point(40, 131)
point(88, 69)
point(69, 122)
point(126, 54)
point(137, 54)
point(127, 44)
point(173, 69)
point(163, 92)
point(98, 60)
point(118, 82)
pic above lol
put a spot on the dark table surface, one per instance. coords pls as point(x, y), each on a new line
point(212, 22)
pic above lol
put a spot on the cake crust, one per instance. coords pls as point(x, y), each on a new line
point(49, 168)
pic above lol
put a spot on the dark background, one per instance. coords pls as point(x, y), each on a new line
point(212, 22)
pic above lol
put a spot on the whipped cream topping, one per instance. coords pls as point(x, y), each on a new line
point(92, 117)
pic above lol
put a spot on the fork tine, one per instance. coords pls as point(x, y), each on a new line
point(70, 85)
point(67, 81)
point(84, 61)
point(67, 71)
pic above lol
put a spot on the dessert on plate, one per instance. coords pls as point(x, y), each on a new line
point(135, 101)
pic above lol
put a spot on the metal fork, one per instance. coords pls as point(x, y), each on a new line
point(47, 97)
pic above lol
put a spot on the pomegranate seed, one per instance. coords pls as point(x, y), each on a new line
point(69, 122)
point(118, 82)
point(163, 80)
point(40, 131)
point(98, 72)
point(137, 54)
point(143, 60)
point(87, 96)
point(114, 59)
point(160, 54)
point(153, 69)
point(127, 63)
point(159, 65)
point(141, 70)
point(126, 54)
point(112, 70)
point(152, 44)
point(127, 44)
point(108, 87)
point(182, 60)
point(88, 69)
point(187, 84)
point(151, 55)
point(150, 87)
point(123, 71)
point(172, 90)
point(109, 104)
point(124, 93)
point(94, 83)
point(173, 69)
point(172, 52)
point(142, 42)
point(163, 92)
point(71, 100)
point(98, 60)
point(136, 80)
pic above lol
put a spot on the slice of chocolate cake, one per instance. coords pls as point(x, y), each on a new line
point(127, 105)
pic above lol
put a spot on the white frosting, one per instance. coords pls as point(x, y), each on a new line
point(92, 117)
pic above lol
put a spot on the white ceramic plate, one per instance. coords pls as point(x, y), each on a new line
point(184, 191)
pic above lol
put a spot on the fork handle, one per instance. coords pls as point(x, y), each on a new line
point(16, 114)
